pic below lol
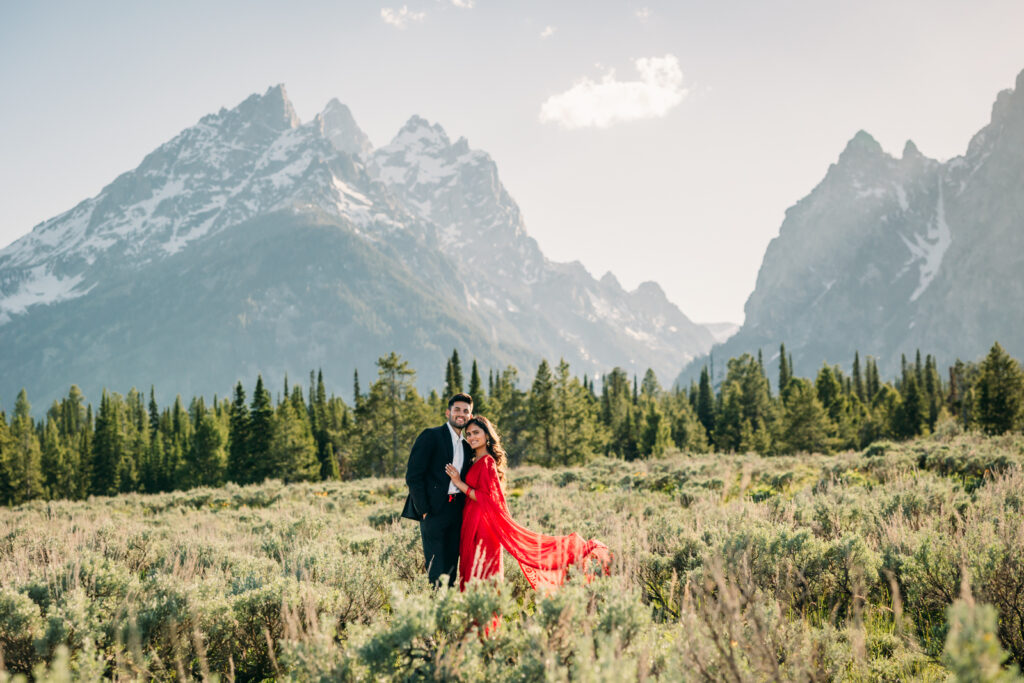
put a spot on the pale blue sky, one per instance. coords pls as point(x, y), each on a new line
point(688, 197)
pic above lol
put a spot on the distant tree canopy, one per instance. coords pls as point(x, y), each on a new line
point(129, 444)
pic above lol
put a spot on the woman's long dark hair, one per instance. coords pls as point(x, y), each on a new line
point(493, 444)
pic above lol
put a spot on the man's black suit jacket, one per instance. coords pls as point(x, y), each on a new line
point(425, 475)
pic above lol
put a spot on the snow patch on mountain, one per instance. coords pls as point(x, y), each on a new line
point(930, 247)
point(352, 204)
point(901, 196)
point(40, 287)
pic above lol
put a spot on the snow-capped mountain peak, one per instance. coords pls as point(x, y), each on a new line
point(327, 246)
point(230, 166)
point(341, 129)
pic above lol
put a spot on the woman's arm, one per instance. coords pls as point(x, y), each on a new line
point(452, 472)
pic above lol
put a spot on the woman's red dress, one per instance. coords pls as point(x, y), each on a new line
point(487, 527)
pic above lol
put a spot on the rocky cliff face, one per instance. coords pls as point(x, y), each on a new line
point(254, 242)
point(889, 255)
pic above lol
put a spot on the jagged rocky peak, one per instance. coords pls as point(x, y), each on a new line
point(419, 133)
point(273, 109)
point(1010, 102)
point(610, 281)
point(341, 129)
point(861, 147)
point(1007, 117)
point(911, 152)
point(651, 290)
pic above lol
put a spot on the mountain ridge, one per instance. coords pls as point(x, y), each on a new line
point(889, 255)
point(431, 213)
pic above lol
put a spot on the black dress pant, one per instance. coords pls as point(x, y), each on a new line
point(441, 531)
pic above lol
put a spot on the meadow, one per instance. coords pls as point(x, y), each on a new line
point(904, 561)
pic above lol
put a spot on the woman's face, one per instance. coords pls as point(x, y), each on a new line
point(475, 436)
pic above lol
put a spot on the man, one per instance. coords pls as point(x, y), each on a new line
point(433, 499)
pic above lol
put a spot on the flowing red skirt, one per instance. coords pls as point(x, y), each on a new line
point(487, 527)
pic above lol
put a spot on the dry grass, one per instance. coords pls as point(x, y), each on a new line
point(726, 568)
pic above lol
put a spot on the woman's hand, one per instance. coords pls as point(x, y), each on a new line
point(453, 472)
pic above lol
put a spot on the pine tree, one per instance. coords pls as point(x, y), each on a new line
point(729, 418)
point(650, 388)
point(627, 435)
point(933, 391)
point(136, 430)
point(858, 382)
point(261, 431)
point(357, 396)
point(1000, 392)
point(7, 465)
point(830, 392)
point(785, 370)
point(299, 404)
point(962, 395)
point(804, 423)
point(240, 466)
point(398, 413)
point(106, 448)
point(688, 433)
point(873, 383)
point(22, 455)
point(455, 381)
point(748, 401)
point(449, 381)
point(510, 408)
point(58, 467)
point(154, 414)
point(395, 380)
point(615, 407)
point(706, 402)
point(311, 401)
point(477, 392)
point(886, 413)
point(655, 431)
point(322, 434)
point(542, 413)
point(912, 415)
point(206, 459)
point(576, 435)
point(291, 453)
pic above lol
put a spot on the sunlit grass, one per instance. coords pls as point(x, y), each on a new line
point(731, 567)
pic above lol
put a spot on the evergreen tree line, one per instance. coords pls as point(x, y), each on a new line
point(131, 444)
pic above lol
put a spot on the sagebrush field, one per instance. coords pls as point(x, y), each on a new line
point(904, 561)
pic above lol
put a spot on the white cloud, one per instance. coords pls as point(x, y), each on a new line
point(464, 4)
point(590, 104)
point(401, 17)
point(547, 32)
point(643, 13)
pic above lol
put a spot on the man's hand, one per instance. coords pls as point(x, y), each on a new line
point(424, 516)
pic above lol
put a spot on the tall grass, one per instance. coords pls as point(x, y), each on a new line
point(905, 561)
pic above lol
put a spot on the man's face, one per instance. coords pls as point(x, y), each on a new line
point(459, 414)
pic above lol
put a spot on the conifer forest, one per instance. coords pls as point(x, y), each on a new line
point(846, 526)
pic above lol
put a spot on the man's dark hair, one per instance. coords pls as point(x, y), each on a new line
point(460, 398)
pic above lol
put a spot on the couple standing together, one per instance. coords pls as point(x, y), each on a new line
point(456, 478)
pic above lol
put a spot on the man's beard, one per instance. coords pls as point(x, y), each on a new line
point(452, 422)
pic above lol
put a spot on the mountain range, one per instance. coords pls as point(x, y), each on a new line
point(252, 243)
point(889, 255)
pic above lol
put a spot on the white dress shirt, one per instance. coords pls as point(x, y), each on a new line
point(457, 455)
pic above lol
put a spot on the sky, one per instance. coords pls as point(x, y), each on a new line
point(659, 140)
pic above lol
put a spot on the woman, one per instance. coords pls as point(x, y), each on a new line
point(487, 526)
